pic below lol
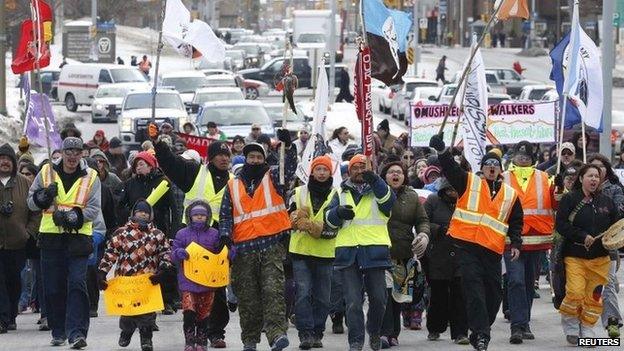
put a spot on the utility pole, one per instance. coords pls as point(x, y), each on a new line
point(3, 41)
point(606, 45)
point(332, 52)
point(533, 15)
point(416, 30)
point(462, 18)
point(94, 51)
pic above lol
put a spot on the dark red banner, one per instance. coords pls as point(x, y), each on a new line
point(363, 103)
point(197, 143)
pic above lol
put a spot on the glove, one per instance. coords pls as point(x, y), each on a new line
point(369, 177)
point(152, 131)
point(59, 218)
point(223, 242)
point(156, 278)
point(73, 219)
point(437, 142)
point(558, 181)
point(419, 245)
point(232, 306)
point(52, 190)
point(182, 253)
point(44, 197)
point(298, 215)
point(345, 212)
point(101, 280)
point(283, 135)
point(315, 229)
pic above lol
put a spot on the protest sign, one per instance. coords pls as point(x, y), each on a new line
point(133, 295)
point(206, 268)
point(506, 123)
point(197, 143)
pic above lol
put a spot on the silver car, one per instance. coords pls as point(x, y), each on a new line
point(107, 101)
point(403, 94)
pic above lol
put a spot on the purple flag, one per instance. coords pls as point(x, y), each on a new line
point(35, 121)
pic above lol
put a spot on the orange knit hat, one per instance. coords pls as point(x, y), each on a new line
point(322, 161)
point(358, 158)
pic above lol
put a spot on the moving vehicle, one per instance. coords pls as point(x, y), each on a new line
point(237, 59)
point(254, 56)
point(203, 95)
point(294, 121)
point(136, 113)
point(420, 95)
point(495, 85)
point(78, 82)
point(495, 98)
point(381, 95)
point(107, 102)
point(301, 67)
point(512, 80)
point(49, 82)
point(402, 94)
point(234, 117)
point(185, 82)
point(534, 92)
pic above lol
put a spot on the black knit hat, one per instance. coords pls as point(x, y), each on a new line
point(218, 148)
point(491, 156)
point(385, 125)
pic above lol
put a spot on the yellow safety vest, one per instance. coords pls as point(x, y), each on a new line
point(301, 242)
point(77, 196)
point(203, 189)
point(368, 227)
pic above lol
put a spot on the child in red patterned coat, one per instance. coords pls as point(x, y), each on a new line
point(137, 248)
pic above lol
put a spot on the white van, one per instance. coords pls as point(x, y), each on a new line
point(79, 82)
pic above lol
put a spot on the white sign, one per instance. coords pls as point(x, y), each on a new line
point(104, 45)
point(422, 23)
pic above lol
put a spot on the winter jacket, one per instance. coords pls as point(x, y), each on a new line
point(140, 187)
point(226, 220)
point(615, 192)
point(111, 180)
point(22, 223)
point(118, 162)
point(441, 260)
point(408, 218)
point(373, 256)
point(206, 236)
point(75, 244)
point(458, 178)
point(592, 218)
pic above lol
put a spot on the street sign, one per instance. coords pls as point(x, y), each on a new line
point(79, 43)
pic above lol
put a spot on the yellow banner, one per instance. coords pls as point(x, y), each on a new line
point(205, 268)
point(131, 296)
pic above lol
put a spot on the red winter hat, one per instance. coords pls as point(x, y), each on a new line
point(147, 157)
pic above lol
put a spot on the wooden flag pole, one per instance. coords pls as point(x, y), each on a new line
point(163, 6)
point(462, 78)
point(285, 111)
point(561, 127)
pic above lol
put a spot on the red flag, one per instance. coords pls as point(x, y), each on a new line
point(26, 53)
point(363, 103)
point(42, 15)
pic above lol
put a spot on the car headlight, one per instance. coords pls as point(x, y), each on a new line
point(99, 107)
point(254, 60)
point(126, 124)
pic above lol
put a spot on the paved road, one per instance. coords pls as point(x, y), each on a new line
point(104, 332)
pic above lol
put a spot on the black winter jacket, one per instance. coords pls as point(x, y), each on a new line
point(593, 218)
point(441, 259)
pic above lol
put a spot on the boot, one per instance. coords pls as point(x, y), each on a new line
point(406, 318)
point(337, 327)
point(416, 320)
point(516, 336)
point(124, 338)
point(146, 339)
point(201, 335)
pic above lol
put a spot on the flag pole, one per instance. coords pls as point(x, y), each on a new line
point(461, 112)
point(561, 127)
point(37, 34)
point(163, 5)
point(462, 78)
point(285, 111)
point(584, 141)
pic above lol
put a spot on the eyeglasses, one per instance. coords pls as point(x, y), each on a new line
point(26, 174)
point(566, 153)
point(72, 152)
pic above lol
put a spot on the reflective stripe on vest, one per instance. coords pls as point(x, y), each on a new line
point(262, 214)
point(304, 244)
point(534, 239)
point(368, 227)
point(76, 196)
point(536, 204)
point(480, 219)
point(203, 189)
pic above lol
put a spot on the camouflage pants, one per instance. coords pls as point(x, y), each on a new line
point(258, 282)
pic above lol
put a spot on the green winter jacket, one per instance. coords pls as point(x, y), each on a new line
point(407, 213)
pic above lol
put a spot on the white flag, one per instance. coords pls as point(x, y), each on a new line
point(583, 82)
point(321, 101)
point(191, 39)
point(475, 106)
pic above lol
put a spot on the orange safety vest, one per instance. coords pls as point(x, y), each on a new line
point(480, 219)
point(539, 221)
point(262, 215)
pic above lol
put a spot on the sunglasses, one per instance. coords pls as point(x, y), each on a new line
point(255, 128)
point(492, 163)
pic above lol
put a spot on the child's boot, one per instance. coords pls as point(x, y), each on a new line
point(201, 336)
point(146, 339)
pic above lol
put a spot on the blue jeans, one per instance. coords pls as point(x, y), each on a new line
point(65, 289)
point(312, 301)
point(373, 282)
point(337, 296)
point(521, 275)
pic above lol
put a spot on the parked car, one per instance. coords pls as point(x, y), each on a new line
point(496, 85)
point(136, 113)
point(294, 121)
point(512, 80)
point(234, 117)
point(551, 95)
point(420, 95)
point(49, 82)
point(253, 89)
point(185, 82)
point(78, 82)
point(446, 94)
point(254, 56)
point(203, 95)
point(534, 92)
point(495, 99)
point(107, 102)
point(381, 95)
point(237, 59)
point(403, 93)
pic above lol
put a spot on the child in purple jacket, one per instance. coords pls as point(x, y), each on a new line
point(197, 299)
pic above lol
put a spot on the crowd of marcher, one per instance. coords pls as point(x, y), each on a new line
point(413, 231)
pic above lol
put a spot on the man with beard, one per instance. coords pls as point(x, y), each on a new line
point(253, 220)
point(69, 195)
point(360, 215)
point(17, 224)
point(487, 211)
point(206, 183)
point(312, 251)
